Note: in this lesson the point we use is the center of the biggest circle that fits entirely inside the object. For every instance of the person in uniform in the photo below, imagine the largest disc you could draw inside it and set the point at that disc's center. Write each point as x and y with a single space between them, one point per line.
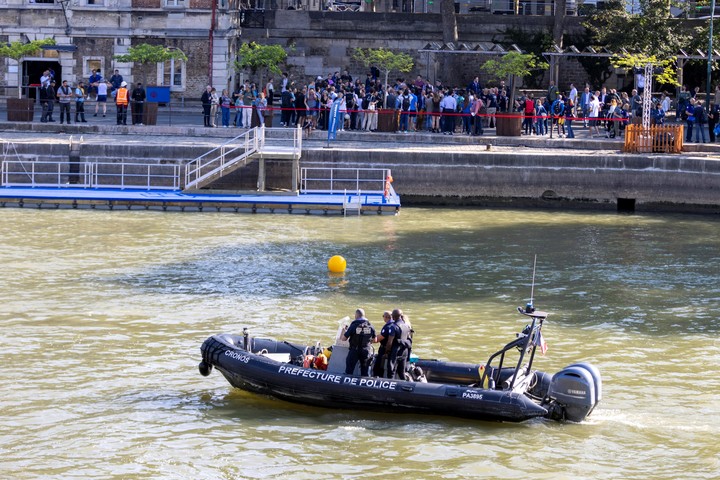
138 102
400 348
361 335
386 338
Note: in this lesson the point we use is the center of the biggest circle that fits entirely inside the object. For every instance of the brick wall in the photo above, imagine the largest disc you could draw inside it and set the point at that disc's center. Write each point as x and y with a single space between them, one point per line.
146 3
207 4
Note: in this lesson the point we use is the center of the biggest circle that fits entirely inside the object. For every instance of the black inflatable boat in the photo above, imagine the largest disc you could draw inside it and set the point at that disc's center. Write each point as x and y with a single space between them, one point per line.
503 389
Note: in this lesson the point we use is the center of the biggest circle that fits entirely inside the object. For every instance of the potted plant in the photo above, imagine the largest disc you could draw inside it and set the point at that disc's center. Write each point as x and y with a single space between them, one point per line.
146 55
265 59
512 64
21 109
386 61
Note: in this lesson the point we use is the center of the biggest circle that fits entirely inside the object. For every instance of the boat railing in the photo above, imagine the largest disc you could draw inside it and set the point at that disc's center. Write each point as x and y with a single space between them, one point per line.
64 174
524 340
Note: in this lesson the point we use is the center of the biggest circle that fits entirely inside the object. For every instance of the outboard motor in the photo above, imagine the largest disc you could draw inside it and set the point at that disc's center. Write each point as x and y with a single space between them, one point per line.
575 391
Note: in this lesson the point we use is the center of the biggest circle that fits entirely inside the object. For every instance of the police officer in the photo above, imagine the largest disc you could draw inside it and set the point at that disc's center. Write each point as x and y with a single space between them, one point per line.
361 335
401 346
386 337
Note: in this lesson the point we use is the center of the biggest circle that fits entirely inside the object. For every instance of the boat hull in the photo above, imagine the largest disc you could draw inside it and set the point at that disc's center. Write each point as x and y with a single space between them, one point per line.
258 373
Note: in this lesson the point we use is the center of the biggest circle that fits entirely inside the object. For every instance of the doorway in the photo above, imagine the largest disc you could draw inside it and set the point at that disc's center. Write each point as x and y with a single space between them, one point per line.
33 70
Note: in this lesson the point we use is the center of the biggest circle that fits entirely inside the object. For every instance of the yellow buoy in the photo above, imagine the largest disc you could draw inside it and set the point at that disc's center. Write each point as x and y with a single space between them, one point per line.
337 264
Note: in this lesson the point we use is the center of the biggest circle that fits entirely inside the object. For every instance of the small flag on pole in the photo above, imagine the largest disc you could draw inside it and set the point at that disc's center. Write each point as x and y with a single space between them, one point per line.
541 343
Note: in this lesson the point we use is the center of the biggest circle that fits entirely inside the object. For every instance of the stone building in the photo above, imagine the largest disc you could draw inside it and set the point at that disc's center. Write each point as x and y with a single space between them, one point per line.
89 33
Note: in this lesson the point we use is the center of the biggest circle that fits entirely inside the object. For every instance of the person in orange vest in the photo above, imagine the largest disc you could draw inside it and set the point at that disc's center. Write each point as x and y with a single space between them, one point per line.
121 101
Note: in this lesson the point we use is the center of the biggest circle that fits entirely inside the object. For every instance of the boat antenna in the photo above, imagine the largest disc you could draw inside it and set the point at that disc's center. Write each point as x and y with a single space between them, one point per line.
530 306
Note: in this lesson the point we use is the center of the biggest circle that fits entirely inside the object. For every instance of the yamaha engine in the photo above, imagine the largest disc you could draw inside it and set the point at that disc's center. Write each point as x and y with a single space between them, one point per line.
574 392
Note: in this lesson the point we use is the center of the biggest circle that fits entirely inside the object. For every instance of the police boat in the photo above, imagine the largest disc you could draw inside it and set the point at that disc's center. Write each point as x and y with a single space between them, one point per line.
502 389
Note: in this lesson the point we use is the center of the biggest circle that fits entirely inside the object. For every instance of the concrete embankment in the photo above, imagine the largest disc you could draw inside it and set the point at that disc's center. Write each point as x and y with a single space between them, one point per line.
437 170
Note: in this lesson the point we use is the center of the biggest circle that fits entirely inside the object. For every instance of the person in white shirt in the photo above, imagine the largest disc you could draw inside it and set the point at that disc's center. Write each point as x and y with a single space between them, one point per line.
270 92
102 89
573 95
594 114
45 78
666 103
640 82
447 106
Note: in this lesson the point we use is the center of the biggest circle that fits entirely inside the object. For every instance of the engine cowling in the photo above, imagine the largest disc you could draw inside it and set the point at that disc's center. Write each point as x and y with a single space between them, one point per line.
575 391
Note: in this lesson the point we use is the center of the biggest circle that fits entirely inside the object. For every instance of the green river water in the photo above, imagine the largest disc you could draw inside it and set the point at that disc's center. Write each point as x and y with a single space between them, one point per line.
103 314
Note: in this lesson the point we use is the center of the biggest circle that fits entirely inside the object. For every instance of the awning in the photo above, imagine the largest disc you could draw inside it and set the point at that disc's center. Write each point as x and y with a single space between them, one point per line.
60 48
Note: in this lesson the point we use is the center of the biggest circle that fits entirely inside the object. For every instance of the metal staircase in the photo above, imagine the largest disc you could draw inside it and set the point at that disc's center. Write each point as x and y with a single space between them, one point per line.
255 143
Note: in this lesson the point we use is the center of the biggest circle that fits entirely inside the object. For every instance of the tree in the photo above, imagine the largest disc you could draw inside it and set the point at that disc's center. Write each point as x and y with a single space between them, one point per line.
652 32
385 60
17 50
146 54
449 21
262 58
665 71
531 42
559 22
512 64
559 28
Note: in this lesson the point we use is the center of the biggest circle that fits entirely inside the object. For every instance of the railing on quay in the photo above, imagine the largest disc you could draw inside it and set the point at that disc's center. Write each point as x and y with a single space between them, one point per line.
61 174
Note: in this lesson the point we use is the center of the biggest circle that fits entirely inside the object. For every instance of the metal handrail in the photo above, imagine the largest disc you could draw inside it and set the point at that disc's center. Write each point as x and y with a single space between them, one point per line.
197 169
57 174
166 175
226 155
341 184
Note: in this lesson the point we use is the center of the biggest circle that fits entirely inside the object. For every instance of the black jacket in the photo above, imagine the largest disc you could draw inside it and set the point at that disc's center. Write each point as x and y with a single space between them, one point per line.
138 94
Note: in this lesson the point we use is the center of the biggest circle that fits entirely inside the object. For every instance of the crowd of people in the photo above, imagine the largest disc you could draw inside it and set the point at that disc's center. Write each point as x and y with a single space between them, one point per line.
98 89
395 339
402 106
419 105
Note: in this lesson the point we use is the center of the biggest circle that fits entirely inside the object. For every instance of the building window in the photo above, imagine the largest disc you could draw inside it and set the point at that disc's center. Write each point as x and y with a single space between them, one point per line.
96 3
174 3
172 74
91 64
41 1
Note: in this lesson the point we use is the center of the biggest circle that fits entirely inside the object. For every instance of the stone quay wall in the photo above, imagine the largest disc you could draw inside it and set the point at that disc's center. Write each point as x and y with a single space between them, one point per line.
554 179
460 171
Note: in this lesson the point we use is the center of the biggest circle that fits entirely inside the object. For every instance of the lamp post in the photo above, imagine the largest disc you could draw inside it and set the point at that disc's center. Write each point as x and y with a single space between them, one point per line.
710 56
